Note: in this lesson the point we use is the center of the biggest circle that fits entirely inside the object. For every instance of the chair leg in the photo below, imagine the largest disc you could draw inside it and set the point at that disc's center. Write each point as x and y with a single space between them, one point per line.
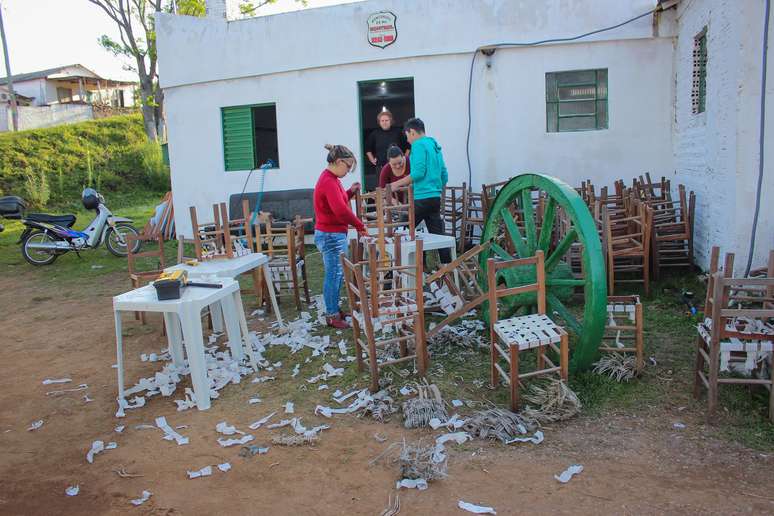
564 363
714 372
256 274
306 284
514 352
541 360
374 366
698 367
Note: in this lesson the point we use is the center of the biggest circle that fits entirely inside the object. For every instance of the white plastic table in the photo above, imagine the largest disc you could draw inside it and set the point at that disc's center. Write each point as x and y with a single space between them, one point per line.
185 314
430 241
232 268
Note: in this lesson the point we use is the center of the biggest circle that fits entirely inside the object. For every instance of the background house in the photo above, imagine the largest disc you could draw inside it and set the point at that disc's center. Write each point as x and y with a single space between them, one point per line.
63 95
279 87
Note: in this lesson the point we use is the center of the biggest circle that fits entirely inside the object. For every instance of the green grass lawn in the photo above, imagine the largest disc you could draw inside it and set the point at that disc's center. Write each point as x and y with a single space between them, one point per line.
661 390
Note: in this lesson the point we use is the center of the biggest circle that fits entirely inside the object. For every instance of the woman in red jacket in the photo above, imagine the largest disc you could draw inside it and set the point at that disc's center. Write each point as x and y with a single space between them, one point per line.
333 216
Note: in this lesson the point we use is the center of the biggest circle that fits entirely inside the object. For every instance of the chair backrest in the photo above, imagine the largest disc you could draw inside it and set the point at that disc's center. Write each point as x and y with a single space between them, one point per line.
490 191
495 292
272 238
158 253
238 234
355 283
209 238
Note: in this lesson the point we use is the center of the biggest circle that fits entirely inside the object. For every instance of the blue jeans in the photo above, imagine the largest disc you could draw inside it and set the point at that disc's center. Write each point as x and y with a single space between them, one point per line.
331 247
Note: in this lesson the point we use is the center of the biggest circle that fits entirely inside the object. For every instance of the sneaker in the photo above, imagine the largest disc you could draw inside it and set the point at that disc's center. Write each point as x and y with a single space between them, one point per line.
337 322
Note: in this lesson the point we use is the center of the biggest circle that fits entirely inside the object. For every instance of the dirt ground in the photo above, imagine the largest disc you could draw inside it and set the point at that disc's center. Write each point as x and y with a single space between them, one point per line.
634 464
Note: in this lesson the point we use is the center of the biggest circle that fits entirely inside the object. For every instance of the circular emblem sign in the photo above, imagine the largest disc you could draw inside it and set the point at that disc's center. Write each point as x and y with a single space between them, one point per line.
382 29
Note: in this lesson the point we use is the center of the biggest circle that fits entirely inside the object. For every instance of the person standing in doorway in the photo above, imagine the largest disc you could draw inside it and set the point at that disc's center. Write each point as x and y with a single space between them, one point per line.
397 167
333 217
429 176
381 139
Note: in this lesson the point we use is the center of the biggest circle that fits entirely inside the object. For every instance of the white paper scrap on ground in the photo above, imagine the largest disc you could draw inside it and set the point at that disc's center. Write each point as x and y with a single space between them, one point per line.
296 370
232 442
226 429
35 425
568 473
260 422
537 438
457 437
419 483
406 390
206 471
143 498
111 446
253 401
81 387
49 381
343 347
475 509
73 490
224 467
169 434
455 404
261 379
96 447
119 429
322 387
86 399
289 407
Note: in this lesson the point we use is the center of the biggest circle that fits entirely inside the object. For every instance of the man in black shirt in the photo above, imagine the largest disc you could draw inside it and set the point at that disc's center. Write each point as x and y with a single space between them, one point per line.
377 144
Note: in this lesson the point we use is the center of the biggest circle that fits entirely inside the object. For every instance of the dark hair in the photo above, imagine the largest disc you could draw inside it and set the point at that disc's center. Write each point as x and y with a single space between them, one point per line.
394 152
415 124
337 152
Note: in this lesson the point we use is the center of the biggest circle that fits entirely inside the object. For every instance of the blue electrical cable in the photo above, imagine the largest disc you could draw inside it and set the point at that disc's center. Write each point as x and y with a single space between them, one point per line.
532 44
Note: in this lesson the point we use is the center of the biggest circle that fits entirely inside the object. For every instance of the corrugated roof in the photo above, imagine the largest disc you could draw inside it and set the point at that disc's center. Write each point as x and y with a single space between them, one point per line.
42 74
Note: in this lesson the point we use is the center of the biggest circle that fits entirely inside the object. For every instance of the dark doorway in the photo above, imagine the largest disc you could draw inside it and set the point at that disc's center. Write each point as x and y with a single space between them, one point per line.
395 95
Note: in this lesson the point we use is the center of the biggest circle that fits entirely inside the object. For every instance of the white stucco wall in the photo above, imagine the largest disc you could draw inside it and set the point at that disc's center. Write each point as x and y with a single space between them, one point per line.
716 152
319 104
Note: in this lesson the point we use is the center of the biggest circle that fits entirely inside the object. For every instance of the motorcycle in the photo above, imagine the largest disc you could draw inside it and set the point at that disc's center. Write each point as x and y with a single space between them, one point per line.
46 237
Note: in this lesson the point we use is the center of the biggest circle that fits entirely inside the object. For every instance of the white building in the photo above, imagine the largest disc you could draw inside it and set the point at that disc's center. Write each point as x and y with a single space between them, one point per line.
313 77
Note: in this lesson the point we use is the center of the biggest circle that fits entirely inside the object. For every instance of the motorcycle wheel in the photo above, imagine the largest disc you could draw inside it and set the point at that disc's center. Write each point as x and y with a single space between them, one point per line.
115 239
38 256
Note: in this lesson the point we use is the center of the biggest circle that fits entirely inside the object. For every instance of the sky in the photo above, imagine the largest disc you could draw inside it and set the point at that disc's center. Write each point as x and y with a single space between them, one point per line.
49 33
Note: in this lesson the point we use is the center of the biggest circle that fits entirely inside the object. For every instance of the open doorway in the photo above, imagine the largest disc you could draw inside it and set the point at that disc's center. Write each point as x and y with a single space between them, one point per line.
394 95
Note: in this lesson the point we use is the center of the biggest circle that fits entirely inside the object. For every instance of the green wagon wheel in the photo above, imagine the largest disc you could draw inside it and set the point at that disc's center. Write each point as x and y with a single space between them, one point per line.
536 211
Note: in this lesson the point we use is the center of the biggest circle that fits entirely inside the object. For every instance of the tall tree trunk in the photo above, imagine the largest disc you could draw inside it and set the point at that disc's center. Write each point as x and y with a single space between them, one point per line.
161 128
148 108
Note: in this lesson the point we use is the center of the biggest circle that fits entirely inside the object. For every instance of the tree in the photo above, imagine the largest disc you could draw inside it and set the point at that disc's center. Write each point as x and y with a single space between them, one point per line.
137 41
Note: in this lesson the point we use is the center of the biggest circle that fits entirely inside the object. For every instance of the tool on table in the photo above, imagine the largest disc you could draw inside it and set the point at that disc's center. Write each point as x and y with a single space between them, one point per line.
169 284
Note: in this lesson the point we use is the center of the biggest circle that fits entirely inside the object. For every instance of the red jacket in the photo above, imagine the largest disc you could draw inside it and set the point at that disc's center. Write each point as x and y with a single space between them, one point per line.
331 205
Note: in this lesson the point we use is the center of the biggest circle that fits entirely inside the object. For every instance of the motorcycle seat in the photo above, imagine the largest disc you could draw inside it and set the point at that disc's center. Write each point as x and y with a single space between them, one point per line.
60 220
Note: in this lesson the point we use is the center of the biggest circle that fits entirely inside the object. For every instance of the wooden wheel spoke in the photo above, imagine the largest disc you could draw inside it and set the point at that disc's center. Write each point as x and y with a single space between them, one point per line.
558 307
513 231
529 221
549 214
562 282
561 249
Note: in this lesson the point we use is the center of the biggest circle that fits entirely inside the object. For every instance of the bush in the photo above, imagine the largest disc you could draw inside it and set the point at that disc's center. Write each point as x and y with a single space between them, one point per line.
36 185
110 153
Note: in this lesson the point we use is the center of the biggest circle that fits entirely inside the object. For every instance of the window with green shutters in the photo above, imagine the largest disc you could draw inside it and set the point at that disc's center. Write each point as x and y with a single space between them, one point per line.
576 100
249 136
699 90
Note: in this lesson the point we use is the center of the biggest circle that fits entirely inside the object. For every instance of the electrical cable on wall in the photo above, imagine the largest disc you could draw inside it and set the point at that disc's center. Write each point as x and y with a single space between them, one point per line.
531 44
761 135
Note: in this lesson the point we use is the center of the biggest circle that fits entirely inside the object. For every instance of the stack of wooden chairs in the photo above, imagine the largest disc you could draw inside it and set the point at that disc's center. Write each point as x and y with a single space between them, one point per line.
452 209
736 338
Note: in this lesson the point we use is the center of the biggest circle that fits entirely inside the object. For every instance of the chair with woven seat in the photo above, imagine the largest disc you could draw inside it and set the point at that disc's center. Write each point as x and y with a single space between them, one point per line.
283 242
452 203
626 243
473 218
736 335
523 333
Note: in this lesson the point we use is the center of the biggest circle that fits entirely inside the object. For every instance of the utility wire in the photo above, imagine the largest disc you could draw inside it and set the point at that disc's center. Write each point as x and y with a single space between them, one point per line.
532 44
761 135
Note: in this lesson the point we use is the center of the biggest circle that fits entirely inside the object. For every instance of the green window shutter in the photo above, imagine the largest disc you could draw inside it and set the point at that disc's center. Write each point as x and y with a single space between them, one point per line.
238 139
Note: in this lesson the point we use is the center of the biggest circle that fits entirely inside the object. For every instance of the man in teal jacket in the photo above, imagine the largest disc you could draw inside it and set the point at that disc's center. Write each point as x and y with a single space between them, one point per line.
429 176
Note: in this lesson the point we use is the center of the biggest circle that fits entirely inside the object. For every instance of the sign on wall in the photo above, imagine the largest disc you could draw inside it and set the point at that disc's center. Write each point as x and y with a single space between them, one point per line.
382 29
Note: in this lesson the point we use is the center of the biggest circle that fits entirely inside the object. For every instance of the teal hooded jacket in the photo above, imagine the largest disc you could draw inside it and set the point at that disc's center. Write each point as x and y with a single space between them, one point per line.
428 171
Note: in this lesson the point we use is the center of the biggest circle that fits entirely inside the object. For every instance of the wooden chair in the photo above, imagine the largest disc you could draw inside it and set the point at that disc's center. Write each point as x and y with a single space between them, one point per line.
453 201
383 314
489 192
284 244
523 333
137 262
237 232
672 239
209 238
627 247
738 339
455 301
473 218
625 324
165 223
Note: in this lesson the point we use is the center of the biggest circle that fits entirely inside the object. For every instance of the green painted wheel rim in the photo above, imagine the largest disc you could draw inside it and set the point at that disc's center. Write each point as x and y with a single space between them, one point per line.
559 280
